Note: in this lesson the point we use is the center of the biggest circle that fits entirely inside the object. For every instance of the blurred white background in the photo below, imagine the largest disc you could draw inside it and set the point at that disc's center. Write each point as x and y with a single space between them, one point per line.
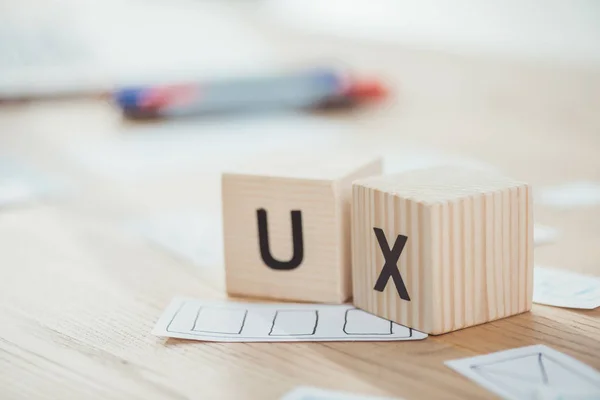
88 45
555 30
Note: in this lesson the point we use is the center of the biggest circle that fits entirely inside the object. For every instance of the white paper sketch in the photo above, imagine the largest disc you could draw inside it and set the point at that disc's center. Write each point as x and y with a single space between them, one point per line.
222 321
547 393
543 234
570 195
313 393
518 374
192 235
209 145
560 288
20 183
417 157
70 51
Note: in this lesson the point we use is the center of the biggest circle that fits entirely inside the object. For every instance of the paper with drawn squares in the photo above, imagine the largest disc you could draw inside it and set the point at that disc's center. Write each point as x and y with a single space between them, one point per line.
221 321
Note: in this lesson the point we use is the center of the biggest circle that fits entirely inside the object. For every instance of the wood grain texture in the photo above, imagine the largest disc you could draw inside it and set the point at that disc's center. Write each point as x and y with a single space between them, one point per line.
78 298
469 252
323 199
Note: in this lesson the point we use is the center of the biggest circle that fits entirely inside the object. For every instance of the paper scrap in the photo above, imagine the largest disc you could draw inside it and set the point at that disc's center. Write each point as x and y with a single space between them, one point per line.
413 157
313 393
208 145
191 235
545 393
500 29
571 195
519 374
561 288
70 51
222 321
20 184
543 234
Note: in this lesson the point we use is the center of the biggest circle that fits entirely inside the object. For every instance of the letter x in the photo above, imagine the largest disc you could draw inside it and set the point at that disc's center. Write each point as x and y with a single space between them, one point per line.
390 268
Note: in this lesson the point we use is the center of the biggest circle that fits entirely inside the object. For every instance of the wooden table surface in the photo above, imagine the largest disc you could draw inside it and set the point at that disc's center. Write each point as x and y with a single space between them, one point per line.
79 297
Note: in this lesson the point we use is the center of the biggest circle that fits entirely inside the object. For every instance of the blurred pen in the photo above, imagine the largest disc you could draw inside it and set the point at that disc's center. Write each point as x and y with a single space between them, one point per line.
312 89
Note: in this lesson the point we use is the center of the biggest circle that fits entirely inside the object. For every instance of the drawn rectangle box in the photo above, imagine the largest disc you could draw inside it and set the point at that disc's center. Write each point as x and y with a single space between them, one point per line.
359 322
220 320
294 322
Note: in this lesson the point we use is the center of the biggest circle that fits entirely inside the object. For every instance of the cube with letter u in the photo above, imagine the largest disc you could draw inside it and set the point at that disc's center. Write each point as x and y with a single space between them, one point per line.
442 249
287 227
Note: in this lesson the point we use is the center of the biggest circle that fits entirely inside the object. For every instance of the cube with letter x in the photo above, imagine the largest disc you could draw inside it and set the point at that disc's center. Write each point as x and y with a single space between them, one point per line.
442 249
286 222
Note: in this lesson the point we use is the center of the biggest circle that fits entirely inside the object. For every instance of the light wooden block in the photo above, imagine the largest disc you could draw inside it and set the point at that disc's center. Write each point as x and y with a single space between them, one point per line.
314 192
468 256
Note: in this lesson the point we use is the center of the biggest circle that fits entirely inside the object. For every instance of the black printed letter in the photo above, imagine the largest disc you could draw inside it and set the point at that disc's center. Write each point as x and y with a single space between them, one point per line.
390 268
263 241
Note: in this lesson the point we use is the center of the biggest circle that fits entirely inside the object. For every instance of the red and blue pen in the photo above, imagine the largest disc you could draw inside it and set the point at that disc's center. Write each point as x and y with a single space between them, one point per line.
311 89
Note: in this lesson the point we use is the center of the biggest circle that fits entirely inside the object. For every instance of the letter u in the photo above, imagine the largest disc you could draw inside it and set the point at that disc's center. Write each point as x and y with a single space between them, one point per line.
263 241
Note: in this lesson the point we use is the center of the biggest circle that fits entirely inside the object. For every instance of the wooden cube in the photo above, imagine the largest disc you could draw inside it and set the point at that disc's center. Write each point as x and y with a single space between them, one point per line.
442 249
287 227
